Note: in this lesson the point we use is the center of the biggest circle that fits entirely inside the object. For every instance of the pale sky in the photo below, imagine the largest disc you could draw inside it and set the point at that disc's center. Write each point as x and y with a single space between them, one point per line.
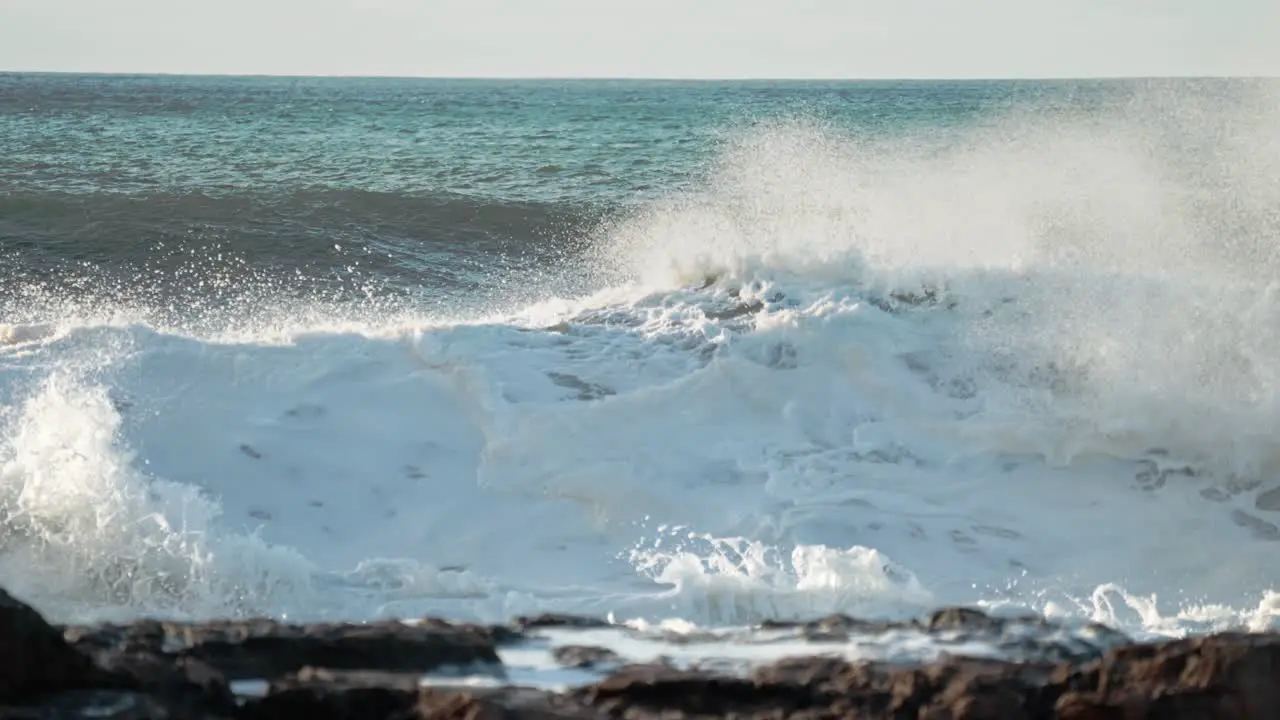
646 38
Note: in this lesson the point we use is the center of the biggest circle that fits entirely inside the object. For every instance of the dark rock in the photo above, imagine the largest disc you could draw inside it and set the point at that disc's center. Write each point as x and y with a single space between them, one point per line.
318 694
254 651
158 671
140 636
585 656
497 634
445 705
555 620
660 690
961 618
34 657
324 695
185 685
835 628
1232 675
1028 638
509 703
830 688
251 649
43 676
101 705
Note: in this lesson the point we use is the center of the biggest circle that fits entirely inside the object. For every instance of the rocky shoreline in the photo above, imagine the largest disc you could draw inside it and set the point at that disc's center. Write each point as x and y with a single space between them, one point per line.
262 669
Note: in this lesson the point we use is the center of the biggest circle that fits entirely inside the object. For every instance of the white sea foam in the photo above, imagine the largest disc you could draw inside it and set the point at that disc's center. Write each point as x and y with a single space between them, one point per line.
1074 414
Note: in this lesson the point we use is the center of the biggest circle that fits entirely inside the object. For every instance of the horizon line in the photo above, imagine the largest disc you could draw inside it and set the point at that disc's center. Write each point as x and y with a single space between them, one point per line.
649 78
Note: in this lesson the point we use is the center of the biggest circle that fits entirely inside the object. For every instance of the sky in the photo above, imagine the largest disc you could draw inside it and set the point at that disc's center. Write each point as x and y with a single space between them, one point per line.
646 38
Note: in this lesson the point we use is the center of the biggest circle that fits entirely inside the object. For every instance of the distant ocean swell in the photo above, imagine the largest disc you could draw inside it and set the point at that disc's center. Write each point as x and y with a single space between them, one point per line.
228 249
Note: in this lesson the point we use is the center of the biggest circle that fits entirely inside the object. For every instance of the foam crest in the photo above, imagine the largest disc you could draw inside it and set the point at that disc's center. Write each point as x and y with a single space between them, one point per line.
1114 606
1109 277
18 334
87 532
736 581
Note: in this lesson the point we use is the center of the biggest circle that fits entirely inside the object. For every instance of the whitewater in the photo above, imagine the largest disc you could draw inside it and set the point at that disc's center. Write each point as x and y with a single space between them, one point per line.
1034 368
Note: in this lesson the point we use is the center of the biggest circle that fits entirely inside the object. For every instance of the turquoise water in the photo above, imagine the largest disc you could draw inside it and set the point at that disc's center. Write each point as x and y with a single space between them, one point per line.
543 141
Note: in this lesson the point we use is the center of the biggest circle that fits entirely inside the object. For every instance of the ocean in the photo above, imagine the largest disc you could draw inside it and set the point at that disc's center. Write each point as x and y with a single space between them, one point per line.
693 353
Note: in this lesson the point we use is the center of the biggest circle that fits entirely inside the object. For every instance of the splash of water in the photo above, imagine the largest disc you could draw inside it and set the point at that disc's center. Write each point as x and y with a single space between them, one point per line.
982 359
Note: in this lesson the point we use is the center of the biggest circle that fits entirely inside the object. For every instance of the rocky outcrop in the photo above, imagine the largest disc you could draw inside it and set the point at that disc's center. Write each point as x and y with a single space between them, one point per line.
181 670
1231 675
34 658
586 656
252 649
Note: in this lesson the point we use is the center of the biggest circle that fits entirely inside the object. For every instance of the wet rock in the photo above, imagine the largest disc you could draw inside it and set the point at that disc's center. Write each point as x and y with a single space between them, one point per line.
327 695
140 636
834 628
512 703
585 656
826 687
156 671
44 676
1233 675
101 705
961 618
497 634
183 685
442 705
1026 638
318 694
661 690
34 657
250 649
556 620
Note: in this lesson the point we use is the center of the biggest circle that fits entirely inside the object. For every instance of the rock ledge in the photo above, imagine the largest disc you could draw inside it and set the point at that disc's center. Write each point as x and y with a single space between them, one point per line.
158 670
